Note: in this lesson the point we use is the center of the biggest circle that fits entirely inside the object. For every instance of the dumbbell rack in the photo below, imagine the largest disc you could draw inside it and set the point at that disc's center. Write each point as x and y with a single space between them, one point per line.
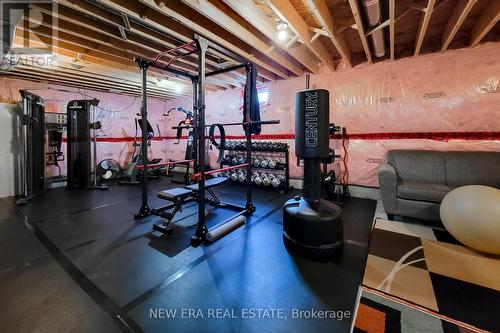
284 187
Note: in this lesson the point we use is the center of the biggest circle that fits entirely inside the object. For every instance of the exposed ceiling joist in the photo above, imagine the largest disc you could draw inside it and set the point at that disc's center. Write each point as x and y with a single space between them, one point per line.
221 18
424 23
392 23
175 9
322 13
98 49
78 52
29 74
287 13
487 21
139 35
166 32
361 29
55 73
137 48
455 22
248 10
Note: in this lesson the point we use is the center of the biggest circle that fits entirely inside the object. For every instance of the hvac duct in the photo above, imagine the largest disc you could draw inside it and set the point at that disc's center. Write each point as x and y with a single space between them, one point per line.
11 16
373 14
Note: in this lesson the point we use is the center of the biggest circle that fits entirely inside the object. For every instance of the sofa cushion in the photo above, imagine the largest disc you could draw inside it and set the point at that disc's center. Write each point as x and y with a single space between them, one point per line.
418 165
472 168
422 191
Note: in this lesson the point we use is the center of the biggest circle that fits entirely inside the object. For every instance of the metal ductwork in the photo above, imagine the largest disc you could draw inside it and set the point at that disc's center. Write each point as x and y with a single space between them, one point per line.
12 14
373 14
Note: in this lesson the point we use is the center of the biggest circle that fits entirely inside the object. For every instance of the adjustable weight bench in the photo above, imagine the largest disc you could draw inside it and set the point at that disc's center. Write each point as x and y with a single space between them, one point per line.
180 196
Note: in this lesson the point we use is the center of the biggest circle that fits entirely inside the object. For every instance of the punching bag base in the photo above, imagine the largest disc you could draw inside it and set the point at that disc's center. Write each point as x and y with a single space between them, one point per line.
313 233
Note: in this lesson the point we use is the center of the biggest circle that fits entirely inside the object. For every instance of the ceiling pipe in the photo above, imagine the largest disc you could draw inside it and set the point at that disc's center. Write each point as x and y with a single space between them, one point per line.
8 22
373 14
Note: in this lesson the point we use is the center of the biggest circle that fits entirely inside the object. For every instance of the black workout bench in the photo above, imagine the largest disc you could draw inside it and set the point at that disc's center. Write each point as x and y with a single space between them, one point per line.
182 195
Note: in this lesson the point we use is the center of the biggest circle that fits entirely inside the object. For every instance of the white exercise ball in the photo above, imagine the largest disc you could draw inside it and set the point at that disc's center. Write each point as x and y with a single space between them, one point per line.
472 215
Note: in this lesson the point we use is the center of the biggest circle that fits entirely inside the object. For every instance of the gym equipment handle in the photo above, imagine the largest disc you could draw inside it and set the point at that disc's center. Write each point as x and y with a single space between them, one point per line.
198 175
261 122
141 166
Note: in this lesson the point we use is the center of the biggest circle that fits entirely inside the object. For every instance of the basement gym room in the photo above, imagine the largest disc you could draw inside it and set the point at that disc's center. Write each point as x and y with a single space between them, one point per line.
250 166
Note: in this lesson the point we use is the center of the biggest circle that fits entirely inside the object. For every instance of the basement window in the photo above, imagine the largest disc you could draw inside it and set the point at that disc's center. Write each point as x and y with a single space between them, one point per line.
263 97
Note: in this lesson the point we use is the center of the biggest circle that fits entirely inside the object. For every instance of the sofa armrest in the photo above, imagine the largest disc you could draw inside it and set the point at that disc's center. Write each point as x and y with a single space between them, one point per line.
388 181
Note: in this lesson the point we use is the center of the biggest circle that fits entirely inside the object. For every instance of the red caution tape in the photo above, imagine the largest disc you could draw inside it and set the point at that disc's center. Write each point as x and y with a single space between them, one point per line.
441 136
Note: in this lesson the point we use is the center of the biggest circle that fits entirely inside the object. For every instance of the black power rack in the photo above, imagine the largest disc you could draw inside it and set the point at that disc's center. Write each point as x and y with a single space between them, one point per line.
270 170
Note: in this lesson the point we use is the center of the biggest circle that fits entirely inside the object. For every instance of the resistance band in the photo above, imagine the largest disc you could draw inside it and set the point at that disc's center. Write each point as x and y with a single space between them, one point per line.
220 146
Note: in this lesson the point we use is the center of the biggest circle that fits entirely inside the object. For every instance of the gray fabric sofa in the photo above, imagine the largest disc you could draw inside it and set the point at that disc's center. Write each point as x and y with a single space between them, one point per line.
414 182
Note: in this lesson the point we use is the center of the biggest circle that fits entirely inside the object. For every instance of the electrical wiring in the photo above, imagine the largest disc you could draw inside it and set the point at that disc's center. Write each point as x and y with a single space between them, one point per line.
85 95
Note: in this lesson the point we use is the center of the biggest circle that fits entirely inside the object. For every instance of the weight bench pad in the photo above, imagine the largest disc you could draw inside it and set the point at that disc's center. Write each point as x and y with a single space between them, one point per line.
174 194
209 183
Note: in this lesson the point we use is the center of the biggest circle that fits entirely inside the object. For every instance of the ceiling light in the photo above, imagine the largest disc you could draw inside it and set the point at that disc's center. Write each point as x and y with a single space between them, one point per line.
282 30
282 35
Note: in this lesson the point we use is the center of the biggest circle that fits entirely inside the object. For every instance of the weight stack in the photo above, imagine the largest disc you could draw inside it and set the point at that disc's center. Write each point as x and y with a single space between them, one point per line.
78 146
312 225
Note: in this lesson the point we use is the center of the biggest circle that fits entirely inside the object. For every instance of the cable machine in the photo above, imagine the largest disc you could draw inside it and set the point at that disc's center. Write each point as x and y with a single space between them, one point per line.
200 46
79 145
33 146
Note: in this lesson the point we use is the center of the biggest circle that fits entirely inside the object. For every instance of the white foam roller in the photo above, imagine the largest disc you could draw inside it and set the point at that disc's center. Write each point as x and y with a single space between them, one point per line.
472 215
226 228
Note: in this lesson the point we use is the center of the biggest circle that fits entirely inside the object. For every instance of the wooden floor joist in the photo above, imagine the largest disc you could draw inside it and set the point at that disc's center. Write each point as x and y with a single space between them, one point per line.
322 13
486 22
287 13
424 23
225 21
177 10
266 25
455 22
361 29
392 19
169 34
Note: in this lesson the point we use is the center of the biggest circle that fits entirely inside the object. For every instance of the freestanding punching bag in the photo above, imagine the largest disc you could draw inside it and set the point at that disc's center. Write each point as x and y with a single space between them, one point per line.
311 224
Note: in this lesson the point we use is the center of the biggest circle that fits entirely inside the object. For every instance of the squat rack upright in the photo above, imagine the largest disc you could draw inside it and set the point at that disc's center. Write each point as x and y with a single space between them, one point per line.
200 46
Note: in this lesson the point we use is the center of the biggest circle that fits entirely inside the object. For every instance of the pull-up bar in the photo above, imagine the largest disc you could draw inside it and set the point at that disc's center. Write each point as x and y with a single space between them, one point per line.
188 47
